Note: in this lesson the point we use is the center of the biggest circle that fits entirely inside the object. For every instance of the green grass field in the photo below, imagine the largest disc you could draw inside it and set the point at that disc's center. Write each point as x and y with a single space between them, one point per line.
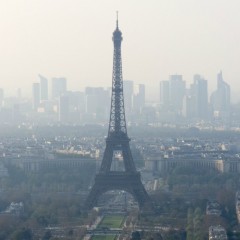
100 237
111 221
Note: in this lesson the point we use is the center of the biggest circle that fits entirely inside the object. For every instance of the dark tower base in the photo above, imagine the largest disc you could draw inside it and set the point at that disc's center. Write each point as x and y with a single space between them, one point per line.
129 182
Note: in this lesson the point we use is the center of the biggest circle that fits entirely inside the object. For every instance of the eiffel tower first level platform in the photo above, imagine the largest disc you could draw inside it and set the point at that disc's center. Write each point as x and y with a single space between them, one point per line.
130 183
117 141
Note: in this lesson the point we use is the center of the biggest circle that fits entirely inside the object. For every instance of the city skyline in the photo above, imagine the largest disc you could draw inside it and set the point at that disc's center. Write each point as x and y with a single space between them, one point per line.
162 38
48 87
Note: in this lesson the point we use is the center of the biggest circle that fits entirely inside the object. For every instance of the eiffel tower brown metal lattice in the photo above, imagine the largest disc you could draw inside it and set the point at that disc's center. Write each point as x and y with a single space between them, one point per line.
117 140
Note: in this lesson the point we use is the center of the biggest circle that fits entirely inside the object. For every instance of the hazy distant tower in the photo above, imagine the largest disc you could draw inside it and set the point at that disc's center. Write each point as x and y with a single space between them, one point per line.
199 91
177 91
223 90
43 88
220 99
97 99
59 87
139 98
164 94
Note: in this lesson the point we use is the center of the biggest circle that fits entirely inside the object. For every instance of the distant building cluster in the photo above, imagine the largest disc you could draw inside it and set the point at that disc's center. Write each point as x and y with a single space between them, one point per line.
192 103
52 102
161 157
92 105
37 155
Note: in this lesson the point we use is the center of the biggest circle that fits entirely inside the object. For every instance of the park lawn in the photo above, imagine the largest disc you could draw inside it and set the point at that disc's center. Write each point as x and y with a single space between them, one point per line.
101 237
111 221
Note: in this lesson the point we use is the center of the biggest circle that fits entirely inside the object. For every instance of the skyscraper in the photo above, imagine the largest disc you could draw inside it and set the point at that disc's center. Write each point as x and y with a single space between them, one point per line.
189 107
97 99
177 91
43 88
77 106
164 94
59 87
220 99
224 93
139 98
199 91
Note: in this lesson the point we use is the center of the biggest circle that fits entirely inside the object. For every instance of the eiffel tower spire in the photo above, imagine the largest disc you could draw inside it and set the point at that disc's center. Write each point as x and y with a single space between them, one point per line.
117 123
117 20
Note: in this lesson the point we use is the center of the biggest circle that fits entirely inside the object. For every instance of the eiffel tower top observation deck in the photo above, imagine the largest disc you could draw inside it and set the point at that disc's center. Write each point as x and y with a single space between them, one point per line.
117 123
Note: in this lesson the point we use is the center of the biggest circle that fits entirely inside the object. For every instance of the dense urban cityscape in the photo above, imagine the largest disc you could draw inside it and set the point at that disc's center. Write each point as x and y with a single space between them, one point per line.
107 164
186 148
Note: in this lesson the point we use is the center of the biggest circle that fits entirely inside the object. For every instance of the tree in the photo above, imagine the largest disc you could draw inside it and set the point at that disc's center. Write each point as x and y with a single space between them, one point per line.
190 227
136 236
174 235
197 223
47 235
155 236
22 234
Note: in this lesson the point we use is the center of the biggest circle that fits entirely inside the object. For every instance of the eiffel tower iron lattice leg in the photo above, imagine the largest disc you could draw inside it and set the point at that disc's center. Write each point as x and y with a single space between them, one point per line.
130 183
117 140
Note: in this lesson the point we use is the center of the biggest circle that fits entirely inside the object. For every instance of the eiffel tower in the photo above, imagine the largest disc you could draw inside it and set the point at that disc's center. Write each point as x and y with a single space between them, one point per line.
128 180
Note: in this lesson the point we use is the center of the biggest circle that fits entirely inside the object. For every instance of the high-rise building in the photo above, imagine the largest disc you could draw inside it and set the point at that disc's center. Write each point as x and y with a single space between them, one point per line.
77 101
59 87
177 89
91 103
189 107
199 92
139 98
220 99
97 102
164 94
77 106
43 88
36 95
224 93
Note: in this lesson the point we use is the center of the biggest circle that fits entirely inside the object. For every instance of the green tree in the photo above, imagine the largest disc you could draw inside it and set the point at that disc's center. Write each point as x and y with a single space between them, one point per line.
22 234
47 235
190 227
197 223
136 236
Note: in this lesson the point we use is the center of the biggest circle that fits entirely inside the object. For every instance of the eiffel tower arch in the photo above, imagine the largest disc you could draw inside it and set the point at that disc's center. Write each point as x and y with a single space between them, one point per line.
117 140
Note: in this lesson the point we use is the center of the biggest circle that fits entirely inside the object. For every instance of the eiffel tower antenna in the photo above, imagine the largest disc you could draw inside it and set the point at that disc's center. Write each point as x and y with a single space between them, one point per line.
117 19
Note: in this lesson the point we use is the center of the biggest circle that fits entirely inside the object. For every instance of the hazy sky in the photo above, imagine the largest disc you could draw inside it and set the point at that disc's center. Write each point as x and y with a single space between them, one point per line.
72 38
